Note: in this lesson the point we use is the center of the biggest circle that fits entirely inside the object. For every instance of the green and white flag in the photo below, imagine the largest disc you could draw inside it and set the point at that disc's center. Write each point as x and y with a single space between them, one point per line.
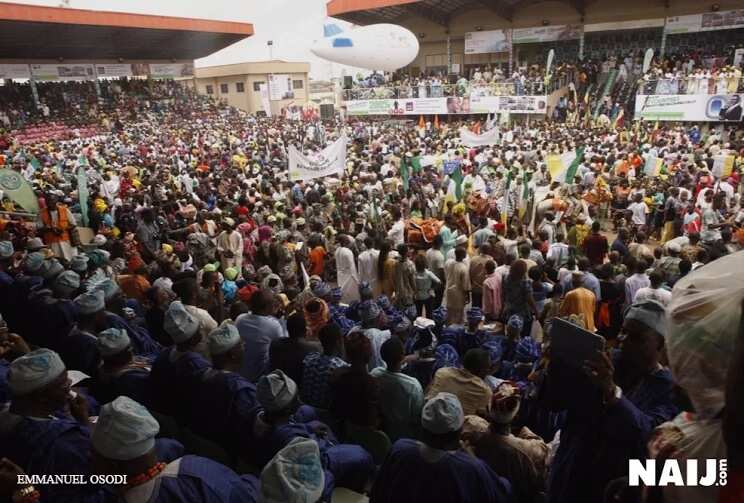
17 189
562 168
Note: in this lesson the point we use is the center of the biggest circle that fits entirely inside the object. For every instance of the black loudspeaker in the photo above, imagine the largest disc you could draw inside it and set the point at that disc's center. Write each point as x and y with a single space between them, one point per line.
327 112
348 81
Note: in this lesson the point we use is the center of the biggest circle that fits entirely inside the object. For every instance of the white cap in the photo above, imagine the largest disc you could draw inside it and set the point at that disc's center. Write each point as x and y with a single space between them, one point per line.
108 287
674 247
179 323
294 475
164 282
112 341
125 430
68 279
34 370
275 391
223 338
6 249
442 414
51 268
99 240
90 302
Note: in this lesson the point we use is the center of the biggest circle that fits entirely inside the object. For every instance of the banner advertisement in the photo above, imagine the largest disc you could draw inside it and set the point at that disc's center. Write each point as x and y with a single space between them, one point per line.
624 25
723 165
280 87
470 139
690 107
114 70
329 161
452 105
483 42
14 71
169 70
62 72
709 21
265 102
546 34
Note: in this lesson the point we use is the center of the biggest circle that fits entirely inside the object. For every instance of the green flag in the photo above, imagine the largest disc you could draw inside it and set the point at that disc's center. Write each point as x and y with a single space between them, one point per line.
82 183
35 163
456 176
416 164
18 190
405 173
571 171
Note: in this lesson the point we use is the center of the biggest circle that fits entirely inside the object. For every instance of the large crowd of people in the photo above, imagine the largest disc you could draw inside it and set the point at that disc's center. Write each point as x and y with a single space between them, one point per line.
182 313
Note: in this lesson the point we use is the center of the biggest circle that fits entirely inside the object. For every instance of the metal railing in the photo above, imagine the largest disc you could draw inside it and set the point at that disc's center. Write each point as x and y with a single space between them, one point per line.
691 85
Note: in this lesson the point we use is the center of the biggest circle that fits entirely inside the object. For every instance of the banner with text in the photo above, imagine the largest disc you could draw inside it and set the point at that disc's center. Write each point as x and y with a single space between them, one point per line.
452 105
62 72
280 87
14 71
483 42
709 21
329 161
546 34
114 70
470 139
689 107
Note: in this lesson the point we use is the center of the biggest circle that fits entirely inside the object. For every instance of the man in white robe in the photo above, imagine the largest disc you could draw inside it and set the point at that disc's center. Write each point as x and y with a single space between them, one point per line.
347 277
230 246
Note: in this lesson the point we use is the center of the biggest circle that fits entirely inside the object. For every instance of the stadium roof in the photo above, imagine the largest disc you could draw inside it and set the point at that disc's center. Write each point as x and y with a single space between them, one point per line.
365 12
30 32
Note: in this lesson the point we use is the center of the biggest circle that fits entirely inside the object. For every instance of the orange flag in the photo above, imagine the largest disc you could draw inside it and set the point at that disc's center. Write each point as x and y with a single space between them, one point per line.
421 124
436 122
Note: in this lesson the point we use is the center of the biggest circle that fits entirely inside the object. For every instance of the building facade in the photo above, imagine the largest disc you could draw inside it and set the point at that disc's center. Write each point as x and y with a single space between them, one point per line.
240 84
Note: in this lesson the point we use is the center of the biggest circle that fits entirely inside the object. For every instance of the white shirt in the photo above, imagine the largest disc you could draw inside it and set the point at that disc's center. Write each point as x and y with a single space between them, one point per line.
397 233
639 213
660 295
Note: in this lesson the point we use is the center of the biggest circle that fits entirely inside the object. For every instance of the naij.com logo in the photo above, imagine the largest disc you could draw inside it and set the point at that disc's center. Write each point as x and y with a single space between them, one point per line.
677 472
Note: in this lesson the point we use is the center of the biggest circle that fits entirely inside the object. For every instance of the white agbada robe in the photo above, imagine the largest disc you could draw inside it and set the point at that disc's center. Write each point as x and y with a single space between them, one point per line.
368 268
348 279
232 242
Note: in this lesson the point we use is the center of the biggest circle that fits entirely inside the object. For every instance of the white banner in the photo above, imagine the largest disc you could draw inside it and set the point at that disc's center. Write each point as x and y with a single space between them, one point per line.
62 72
546 34
14 71
522 104
114 70
453 105
709 21
280 87
170 70
329 161
265 102
470 139
624 25
483 42
689 107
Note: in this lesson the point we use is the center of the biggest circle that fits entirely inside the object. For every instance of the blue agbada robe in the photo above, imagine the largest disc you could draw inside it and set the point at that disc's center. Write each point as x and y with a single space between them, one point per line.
142 343
16 312
46 446
52 320
193 479
4 390
133 383
80 352
597 440
414 472
173 379
350 465
223 408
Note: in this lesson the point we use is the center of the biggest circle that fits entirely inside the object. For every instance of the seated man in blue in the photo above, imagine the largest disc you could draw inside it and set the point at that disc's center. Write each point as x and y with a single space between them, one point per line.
612 406
296 474
473 336
54 312
32 432
142 343
282 419
437 469
15 307
224 404
78 349
121 373
178 370
124 442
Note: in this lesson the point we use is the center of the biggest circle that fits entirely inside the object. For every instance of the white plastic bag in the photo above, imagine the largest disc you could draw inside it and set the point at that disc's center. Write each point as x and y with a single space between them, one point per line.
704 318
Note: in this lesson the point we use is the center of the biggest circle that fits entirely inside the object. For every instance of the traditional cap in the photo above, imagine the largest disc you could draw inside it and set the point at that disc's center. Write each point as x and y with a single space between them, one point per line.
99 240
6 249
125 430
275 391
528 350
33 262
505 403
404 325
442 414
651 313
34 244
90 302
33 371
50 268
674 247
69 280
229 221
109 288
322 290
231 273
223 338
179 323
112 341
163 282
516 322
300 222
294 475
79 263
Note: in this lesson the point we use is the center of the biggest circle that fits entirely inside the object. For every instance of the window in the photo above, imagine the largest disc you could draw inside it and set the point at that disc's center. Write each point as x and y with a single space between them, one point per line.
223 89
297 84
257 86
210 89
239 87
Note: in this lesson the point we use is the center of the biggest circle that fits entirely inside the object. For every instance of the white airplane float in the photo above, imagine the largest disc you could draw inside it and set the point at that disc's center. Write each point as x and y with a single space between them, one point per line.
383 46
